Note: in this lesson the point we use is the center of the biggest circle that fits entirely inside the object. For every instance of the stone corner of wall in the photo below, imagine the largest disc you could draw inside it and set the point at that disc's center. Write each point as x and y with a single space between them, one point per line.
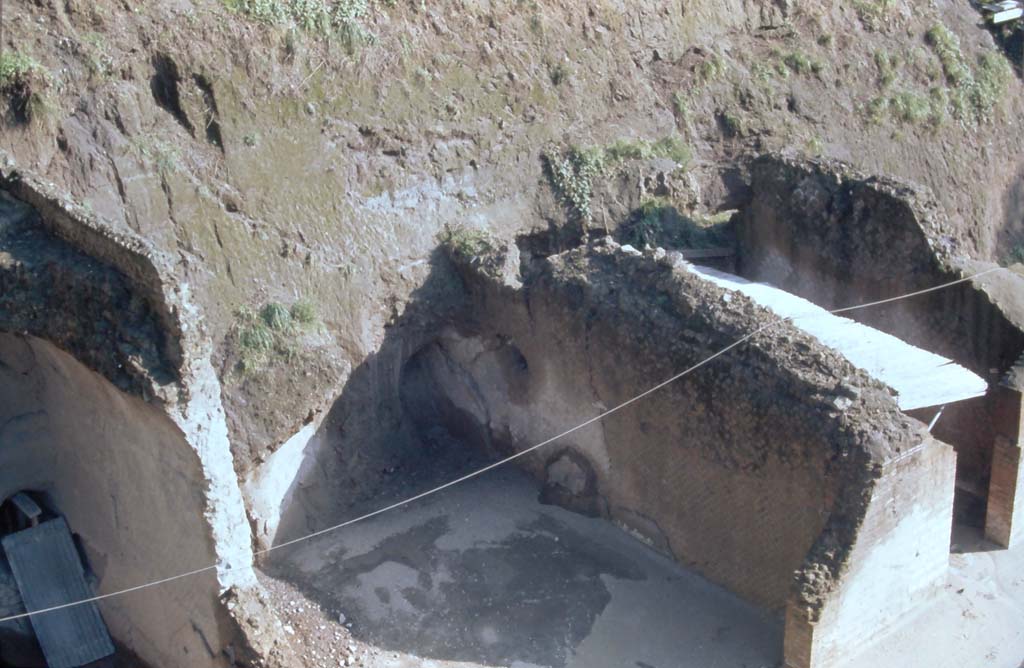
883 555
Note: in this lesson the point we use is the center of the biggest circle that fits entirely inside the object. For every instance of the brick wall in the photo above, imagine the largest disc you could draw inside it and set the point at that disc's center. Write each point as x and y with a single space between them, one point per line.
1004 519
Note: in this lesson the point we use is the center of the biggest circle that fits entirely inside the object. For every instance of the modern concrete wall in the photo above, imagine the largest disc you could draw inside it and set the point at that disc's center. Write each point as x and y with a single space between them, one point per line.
269 489
131 488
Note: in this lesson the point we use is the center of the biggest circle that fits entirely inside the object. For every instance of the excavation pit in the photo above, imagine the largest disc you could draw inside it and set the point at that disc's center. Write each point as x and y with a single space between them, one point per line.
774 505
778 457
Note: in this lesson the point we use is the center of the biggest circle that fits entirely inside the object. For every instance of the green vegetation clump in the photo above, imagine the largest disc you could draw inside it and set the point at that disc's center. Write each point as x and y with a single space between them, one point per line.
681 104
558 74
712 68
276 317
886 65
99 61
257 337
993 76
761 72
969 94
164 156
671 147
15 69
645 227
732 125
910 107
303 312
468 242
947 47
975 92
25 81
877 109
874 14
271 333
572 176
800 63
572 173
815 146
340 18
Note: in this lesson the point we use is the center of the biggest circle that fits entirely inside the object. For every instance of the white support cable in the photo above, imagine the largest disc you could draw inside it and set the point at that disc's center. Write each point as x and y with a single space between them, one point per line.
917 293
480 471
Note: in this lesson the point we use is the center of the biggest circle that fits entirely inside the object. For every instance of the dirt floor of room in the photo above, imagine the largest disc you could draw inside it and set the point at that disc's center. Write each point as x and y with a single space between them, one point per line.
484 575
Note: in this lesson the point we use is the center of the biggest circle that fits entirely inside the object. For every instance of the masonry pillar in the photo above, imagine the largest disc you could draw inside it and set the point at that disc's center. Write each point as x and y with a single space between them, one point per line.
1004 519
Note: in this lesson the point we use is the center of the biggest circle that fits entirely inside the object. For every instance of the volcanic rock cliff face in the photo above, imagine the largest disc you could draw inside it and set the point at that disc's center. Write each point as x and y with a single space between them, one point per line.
273 163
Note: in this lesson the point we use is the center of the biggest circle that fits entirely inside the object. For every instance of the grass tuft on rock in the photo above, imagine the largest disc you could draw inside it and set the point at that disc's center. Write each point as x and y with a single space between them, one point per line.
271 334
800 63
276 317
25 82
341 19
303 312
468 242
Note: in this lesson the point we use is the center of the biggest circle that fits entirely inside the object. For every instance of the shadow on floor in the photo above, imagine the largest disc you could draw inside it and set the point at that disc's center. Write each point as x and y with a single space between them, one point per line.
969 524
970 539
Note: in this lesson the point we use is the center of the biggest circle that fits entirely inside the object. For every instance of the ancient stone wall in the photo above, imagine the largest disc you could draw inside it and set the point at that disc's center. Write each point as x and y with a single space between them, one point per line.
841 238
898 562
49 288
129 258
736 470
103 306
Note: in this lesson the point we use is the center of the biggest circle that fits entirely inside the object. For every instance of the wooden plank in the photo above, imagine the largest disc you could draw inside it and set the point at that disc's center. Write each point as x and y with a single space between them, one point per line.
48 571
920 378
